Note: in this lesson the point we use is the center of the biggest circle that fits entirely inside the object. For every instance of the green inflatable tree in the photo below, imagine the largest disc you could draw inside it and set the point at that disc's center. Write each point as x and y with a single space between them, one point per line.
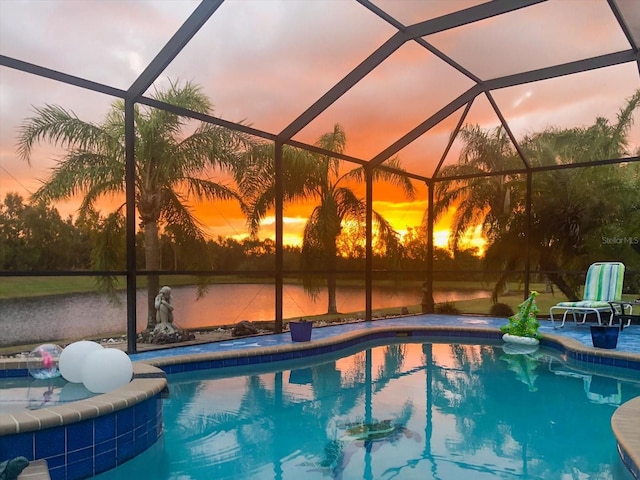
524 323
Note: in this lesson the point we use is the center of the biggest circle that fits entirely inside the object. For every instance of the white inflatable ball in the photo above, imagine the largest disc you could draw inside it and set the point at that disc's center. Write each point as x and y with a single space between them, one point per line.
107 369
73 357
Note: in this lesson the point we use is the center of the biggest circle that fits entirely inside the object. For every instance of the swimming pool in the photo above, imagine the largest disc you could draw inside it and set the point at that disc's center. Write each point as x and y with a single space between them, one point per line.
400 410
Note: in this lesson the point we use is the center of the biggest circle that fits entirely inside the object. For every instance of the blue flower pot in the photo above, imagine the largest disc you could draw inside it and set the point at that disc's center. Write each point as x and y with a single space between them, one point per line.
300 331
604 336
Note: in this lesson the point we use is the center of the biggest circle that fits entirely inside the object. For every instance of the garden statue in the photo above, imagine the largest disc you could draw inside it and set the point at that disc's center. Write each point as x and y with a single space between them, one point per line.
165 329
164 312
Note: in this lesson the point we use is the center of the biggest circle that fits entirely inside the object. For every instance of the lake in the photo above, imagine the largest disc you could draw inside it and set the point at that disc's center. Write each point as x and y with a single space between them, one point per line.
42 319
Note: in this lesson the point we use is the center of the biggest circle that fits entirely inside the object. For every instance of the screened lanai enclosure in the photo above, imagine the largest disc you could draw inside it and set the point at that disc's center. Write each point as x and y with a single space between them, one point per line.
271 160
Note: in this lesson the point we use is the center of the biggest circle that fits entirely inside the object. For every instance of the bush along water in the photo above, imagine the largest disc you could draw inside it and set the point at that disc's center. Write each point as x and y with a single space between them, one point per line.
447 308
501 310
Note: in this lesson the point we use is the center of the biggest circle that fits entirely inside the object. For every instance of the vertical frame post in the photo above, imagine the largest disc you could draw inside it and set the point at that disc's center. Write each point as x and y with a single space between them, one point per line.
279 207
368 315
427 288
130 195
527 245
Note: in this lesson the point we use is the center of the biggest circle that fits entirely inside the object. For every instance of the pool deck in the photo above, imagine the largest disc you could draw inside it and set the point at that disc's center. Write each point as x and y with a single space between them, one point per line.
628 342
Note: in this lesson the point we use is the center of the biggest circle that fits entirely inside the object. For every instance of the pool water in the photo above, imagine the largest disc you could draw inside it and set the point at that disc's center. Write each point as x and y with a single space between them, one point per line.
399 411
27 393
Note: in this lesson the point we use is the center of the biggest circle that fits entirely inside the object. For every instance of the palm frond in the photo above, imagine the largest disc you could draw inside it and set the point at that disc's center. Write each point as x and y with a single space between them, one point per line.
59 127
79 172
625 121
395 178
176 214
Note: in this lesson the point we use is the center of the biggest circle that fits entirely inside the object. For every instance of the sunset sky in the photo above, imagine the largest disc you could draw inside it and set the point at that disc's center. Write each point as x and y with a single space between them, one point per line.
265 61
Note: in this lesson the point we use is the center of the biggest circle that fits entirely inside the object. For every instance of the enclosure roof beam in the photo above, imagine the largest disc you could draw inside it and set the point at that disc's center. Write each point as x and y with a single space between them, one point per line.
466 16
445 22
542 168
555 71
340 88
60 77
622 21
593 63
173 47
420 41
426 125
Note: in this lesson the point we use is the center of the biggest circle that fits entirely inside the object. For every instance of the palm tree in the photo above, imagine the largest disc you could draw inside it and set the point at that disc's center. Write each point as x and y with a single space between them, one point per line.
566 212
479 200
171 165
568 205
317 177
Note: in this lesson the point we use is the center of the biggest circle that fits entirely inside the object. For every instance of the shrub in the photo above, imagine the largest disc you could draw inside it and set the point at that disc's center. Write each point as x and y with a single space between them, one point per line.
501 310
447 308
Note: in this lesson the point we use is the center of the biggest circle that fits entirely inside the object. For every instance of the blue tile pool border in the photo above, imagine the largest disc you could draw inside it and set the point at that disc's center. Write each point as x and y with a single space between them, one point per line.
90 447
82 439
572 350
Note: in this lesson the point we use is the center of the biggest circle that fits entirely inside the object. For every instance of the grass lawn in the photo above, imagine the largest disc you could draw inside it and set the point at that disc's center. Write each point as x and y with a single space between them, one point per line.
24 287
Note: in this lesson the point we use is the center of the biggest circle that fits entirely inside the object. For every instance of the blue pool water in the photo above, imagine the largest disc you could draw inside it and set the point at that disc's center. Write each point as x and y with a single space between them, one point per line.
399 411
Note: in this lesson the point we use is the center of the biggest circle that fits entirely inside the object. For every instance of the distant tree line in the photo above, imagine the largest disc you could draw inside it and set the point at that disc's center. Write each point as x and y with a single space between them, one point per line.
34 237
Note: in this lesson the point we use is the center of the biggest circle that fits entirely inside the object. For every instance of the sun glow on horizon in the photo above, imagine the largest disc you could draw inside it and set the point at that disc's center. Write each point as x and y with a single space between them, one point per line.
441 238
474 238
294 227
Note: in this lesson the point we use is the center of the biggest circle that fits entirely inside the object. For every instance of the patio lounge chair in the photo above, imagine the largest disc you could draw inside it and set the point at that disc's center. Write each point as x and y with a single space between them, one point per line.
603 285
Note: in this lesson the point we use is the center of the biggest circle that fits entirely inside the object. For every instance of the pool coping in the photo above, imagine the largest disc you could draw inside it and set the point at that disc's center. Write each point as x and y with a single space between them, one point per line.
36 470
84 438
147 382
572 350
624 422
149 375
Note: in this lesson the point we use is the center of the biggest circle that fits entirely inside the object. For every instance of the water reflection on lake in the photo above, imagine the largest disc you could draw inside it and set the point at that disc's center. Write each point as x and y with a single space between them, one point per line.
91 314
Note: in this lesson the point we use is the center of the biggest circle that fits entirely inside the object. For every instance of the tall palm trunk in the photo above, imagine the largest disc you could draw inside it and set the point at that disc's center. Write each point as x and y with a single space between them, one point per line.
152 262
332 280
557 279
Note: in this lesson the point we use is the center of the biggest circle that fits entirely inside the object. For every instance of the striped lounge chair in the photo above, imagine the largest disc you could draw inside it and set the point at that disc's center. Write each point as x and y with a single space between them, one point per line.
603 285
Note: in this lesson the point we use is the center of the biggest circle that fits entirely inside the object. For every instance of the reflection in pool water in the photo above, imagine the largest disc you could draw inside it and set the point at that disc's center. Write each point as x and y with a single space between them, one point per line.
26 393
402 411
